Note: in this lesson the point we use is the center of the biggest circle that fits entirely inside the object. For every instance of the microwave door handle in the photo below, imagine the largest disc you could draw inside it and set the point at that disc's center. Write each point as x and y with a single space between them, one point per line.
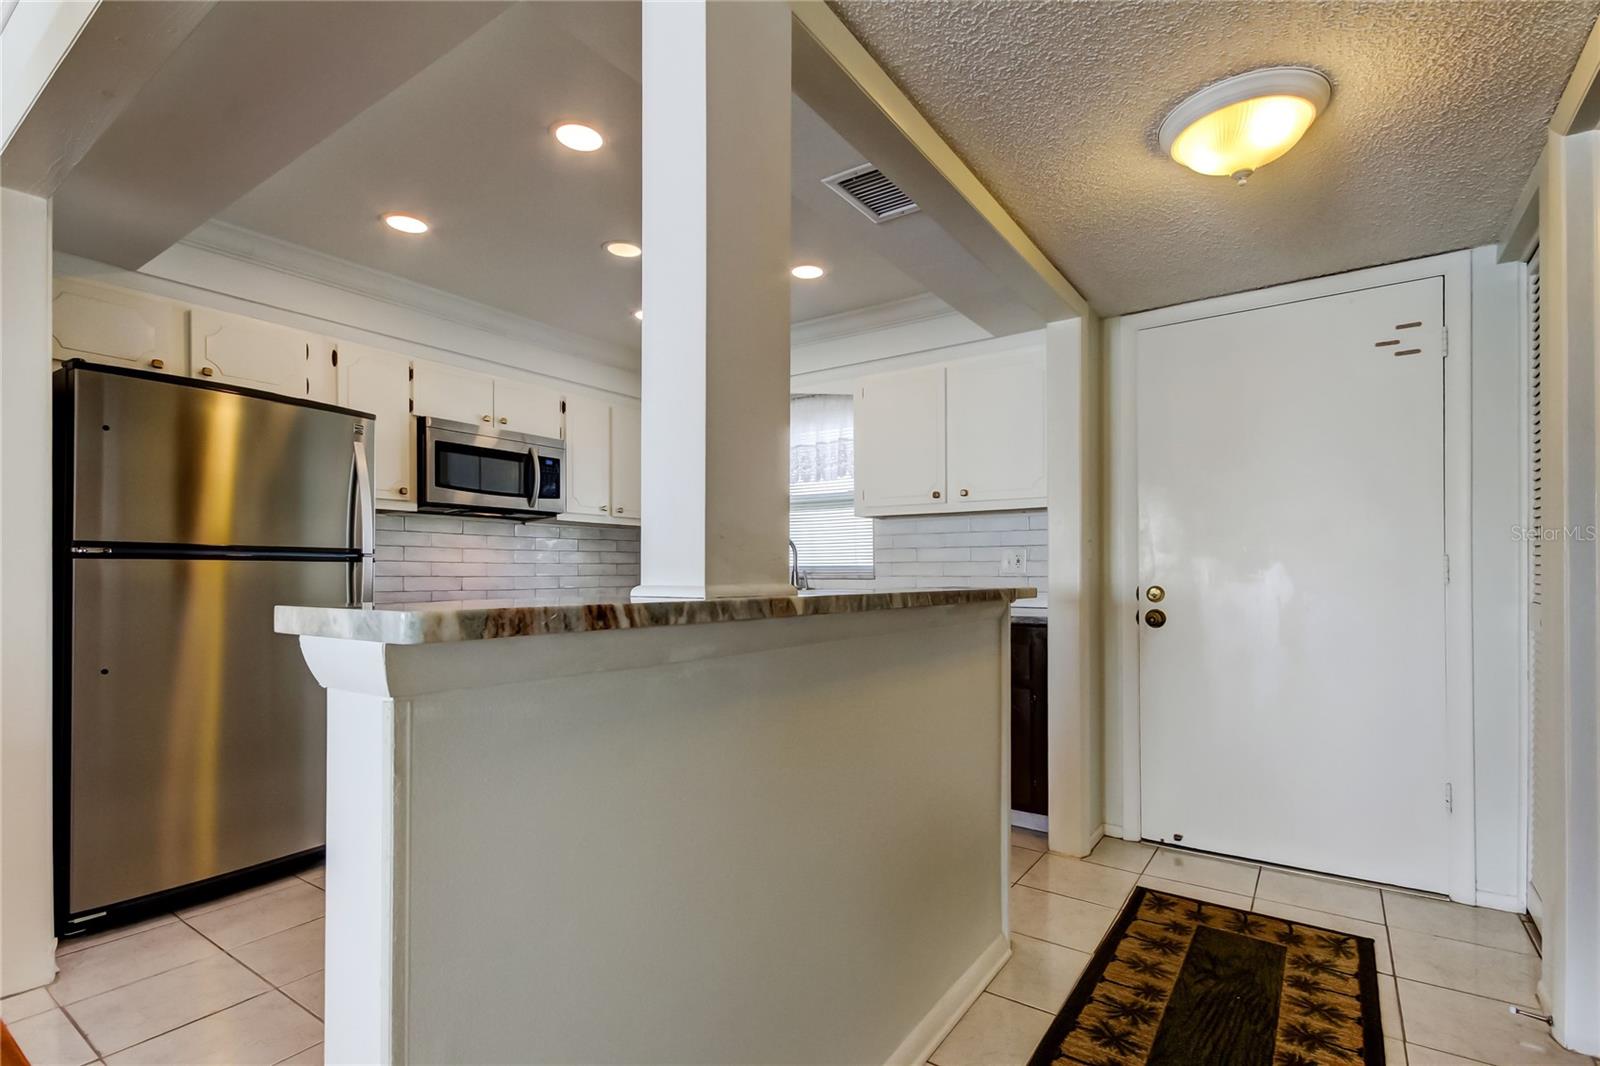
535 479
366 523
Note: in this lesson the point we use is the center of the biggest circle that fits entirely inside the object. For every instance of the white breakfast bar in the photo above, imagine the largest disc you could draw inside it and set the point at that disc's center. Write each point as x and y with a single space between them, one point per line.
714 831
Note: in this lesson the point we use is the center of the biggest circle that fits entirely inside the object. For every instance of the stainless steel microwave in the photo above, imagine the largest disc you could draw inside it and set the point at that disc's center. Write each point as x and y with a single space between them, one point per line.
463 469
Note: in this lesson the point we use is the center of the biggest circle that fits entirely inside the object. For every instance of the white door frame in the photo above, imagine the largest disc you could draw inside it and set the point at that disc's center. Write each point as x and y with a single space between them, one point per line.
1122 673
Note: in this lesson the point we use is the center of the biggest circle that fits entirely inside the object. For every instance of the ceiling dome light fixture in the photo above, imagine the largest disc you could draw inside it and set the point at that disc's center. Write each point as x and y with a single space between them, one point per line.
577 136
808 272
1242 123
405 223
624 249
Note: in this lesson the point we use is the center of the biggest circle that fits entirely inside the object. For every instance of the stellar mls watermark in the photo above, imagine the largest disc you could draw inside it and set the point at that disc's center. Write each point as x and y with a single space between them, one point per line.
1550 534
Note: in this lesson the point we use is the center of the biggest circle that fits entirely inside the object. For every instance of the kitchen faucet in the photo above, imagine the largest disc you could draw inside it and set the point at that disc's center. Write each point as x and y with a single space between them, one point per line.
796 578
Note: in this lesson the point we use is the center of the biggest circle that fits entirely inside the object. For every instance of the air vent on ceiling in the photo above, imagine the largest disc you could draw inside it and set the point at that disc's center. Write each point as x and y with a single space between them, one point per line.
869 190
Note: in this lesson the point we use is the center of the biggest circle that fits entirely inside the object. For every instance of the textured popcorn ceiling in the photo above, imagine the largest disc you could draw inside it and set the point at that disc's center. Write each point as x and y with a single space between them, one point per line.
1437 118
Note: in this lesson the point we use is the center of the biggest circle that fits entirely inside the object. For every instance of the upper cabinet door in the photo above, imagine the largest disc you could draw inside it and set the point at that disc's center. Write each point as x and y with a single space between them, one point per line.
588 455
379 382
527 407
121 328
457 395
996 429
626 497
257 355
899 423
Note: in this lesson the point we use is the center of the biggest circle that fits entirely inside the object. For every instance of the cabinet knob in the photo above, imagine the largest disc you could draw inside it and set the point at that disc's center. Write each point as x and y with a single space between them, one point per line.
157 364
936 494
404 491
619 510
606 509
207 372
964 492
503 421
486 418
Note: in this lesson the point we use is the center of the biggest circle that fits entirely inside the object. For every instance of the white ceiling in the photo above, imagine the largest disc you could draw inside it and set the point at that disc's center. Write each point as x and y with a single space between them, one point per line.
518 221
1437 118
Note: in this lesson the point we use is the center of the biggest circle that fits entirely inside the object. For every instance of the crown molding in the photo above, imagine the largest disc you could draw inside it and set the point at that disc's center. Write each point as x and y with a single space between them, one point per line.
924 307
236 242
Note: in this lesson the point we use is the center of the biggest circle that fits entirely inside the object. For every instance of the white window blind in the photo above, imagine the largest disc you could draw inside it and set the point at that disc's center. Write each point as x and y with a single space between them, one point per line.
822 485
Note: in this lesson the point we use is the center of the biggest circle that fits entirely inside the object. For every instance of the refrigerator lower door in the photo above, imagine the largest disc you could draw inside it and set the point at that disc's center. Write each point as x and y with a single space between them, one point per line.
197 733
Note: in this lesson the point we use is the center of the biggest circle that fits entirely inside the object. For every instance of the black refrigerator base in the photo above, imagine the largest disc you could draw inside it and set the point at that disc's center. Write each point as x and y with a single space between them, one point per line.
72 927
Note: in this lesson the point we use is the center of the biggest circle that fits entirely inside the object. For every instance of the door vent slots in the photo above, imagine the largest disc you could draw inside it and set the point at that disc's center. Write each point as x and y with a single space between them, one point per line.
869 190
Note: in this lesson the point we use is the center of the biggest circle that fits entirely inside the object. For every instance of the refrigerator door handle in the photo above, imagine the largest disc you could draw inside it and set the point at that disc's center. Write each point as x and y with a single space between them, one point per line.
366 524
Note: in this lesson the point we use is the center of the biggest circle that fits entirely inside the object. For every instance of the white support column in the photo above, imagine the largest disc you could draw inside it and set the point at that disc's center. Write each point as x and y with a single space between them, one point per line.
1072 445
716 299
27 936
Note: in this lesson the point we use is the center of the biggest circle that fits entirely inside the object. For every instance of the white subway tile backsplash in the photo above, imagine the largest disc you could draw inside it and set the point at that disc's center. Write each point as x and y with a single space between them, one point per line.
421 558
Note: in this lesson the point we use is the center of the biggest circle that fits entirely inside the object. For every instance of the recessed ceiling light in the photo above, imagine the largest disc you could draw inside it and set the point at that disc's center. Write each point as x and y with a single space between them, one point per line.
405 223
808 272
639 314
624 249
578 137
1243 123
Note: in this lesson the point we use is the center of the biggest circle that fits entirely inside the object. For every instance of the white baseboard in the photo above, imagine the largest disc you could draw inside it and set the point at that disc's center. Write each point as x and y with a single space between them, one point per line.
1501 901
1113 831
921 1042
1025 820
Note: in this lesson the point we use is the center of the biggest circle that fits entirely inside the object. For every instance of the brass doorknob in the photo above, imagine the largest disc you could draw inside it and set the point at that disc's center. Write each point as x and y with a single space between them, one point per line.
1155 593
1155 618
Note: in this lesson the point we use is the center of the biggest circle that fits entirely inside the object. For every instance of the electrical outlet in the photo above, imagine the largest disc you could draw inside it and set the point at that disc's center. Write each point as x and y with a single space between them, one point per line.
1013 560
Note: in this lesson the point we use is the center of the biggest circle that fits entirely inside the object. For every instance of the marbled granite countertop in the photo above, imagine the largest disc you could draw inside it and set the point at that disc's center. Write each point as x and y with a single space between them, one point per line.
442 622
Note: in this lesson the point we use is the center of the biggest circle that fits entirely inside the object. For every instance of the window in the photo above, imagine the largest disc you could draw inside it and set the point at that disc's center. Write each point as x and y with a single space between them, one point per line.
831 540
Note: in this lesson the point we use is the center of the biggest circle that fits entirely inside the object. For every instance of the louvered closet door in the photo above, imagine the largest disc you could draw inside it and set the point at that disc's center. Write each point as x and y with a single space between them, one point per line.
1291 507
1544 725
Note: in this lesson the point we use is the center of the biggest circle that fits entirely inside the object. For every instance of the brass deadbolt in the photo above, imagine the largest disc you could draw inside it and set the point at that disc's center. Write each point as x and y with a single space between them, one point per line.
1155 618
1155 593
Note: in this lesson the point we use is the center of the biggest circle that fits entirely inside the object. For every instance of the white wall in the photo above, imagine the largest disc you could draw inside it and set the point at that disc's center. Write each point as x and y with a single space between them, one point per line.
27 940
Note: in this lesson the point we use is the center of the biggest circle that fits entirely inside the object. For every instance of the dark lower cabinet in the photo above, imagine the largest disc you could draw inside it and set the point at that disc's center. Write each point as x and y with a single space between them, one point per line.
1029 740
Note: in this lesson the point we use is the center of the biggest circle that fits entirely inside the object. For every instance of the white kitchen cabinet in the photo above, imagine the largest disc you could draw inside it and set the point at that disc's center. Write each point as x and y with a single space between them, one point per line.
588 456
900 442
439 391
527 407
994 435
234 350
625 459
379 383
117 327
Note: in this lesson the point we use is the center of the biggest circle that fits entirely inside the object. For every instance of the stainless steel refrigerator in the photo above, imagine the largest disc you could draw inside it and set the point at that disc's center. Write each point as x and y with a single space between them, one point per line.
190 738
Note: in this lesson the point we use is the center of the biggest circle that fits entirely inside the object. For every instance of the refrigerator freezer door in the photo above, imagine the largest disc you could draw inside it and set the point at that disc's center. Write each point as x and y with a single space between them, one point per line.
198 734
163 462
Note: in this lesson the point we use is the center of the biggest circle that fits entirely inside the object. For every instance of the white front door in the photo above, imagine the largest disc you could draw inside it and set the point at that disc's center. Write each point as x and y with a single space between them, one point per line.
1291 510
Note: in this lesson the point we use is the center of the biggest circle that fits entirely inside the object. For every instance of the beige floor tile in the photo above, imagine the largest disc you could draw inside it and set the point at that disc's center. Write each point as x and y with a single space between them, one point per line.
69 945
1022 861
311 1056
259 916
994 1032
239 897
1389 1007
1478 1028
25 1005
1394 1051
257 1032
1332 897
120 962
133 1013
1072 923
1479 925
49 1039
1200 892
1417 1055
1027 838
1039 974
1378 934
1504 975
1089 881
1127 855
286 956
1236 877
308 992
318 876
